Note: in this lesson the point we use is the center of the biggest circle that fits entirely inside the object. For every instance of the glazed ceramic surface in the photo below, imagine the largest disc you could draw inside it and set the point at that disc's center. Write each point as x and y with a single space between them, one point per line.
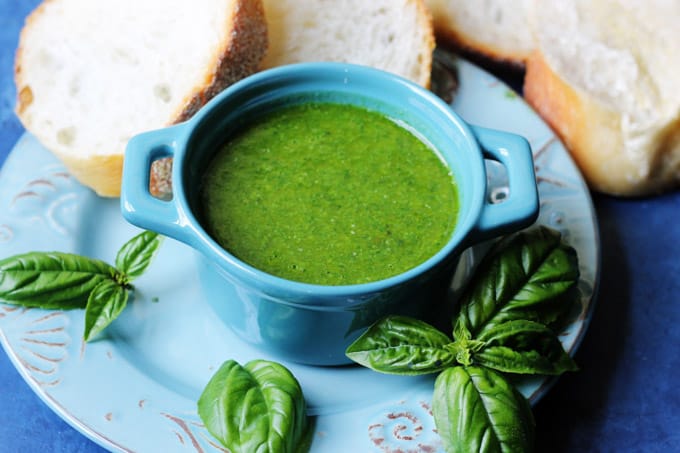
136 389
314 324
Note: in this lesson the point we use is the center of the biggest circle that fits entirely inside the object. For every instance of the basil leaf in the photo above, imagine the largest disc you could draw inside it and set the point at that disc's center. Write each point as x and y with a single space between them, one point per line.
523 347
136 254
285 401
402 345
534 277
478 410
256 408
51 280
106 301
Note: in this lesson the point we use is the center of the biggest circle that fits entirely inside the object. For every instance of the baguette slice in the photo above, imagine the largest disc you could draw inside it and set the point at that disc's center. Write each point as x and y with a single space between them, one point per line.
90 75
393 35
605 77
495 29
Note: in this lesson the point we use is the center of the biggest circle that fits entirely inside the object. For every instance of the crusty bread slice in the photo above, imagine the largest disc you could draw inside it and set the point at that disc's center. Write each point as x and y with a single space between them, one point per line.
496 29
393 35
605 77
90 74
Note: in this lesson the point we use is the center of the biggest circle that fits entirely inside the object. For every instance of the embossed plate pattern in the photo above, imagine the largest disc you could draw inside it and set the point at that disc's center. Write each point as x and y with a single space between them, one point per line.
136 389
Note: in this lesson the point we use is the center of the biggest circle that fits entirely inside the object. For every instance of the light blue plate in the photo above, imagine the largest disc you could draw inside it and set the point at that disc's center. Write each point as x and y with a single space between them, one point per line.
136 389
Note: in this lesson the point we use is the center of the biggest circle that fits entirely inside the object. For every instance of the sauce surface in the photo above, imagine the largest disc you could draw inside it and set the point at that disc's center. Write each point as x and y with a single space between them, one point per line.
329 194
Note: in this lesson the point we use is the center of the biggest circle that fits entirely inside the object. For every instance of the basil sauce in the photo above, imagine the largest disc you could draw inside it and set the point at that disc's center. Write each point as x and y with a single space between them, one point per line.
329 194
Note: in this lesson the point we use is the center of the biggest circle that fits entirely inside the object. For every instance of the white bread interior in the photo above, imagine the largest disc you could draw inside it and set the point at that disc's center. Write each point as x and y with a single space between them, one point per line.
602 74
496 29
393 35
90 75
605 76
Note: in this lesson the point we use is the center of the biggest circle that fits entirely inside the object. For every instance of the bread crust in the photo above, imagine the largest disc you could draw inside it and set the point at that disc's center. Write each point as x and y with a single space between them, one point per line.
495 30
592 134
426 23
24 94
101 172
238 58
449 36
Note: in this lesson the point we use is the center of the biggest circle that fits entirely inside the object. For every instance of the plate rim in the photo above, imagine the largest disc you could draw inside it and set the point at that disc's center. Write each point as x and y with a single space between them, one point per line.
104 441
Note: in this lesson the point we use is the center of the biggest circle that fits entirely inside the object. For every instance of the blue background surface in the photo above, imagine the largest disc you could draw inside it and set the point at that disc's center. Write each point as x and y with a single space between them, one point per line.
624 398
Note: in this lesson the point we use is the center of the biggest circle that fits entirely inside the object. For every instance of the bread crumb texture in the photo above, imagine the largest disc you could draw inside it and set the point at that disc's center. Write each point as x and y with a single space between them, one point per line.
496 29
396 36
605 76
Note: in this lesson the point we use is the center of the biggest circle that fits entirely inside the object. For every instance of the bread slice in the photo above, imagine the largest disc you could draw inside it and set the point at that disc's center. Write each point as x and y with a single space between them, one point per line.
605 77
495 29
393 35
90 75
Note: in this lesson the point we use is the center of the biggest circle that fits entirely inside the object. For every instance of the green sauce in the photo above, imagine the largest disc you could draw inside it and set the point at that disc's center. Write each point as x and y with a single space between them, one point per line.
329 194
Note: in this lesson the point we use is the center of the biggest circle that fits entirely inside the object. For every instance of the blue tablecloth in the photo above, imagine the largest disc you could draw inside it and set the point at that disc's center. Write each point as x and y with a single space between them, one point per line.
624 398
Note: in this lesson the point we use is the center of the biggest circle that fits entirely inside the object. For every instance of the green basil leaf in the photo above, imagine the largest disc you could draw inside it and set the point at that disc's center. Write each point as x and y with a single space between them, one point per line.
523 347
478 410
136 254
402 345
51 280
106 301
256 408
534 277
285 400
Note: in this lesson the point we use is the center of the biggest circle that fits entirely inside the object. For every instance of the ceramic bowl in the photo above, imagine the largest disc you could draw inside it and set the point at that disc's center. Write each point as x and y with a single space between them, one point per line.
311 323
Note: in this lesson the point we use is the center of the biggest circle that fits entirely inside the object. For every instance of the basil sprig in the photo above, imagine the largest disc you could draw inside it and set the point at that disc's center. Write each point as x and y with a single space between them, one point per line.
63 281
533 276
507 322
258 407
